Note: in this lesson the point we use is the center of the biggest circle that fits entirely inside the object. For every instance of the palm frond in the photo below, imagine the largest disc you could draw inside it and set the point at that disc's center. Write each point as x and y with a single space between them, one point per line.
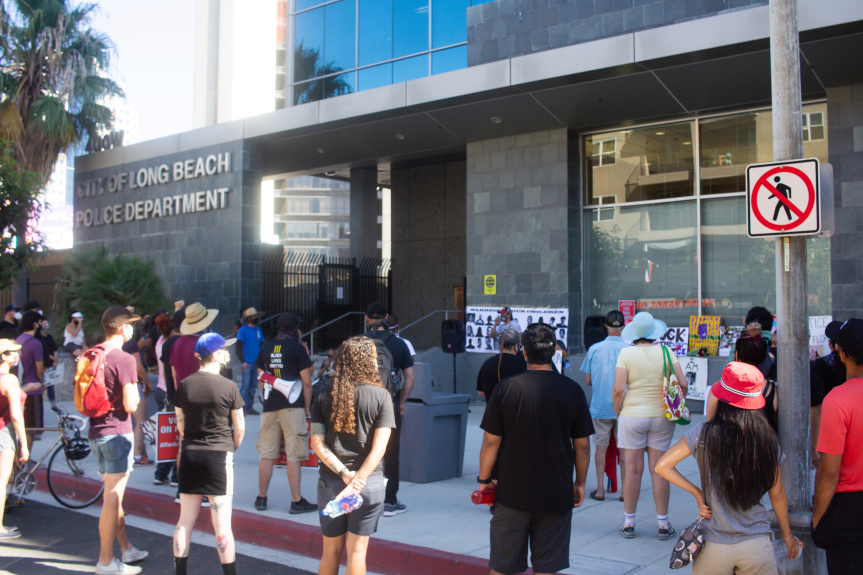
11 126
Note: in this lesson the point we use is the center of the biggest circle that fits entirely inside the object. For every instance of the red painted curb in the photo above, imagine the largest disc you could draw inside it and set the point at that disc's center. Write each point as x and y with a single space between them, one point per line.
385 557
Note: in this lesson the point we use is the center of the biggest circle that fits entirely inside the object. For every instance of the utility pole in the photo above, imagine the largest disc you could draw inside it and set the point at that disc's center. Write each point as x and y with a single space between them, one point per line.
791 290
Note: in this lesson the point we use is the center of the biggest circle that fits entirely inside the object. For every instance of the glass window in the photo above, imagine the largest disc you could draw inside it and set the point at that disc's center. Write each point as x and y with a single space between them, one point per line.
376 32
303 4
309 92
339 37
410 69
645 253
653 163
813 127
308 44
340 85
375 76
449 23
410 28
739 272
449 60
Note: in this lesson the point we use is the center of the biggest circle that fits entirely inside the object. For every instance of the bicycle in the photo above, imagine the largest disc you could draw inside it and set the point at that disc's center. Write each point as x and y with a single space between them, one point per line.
72 472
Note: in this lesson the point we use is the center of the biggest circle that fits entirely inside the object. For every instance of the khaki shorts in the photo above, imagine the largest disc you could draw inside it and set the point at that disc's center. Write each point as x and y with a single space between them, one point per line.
603 429
641 432
289 423
750 557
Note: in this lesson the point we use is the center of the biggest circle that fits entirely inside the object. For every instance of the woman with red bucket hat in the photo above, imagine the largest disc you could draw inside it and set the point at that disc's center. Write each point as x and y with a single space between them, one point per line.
739 464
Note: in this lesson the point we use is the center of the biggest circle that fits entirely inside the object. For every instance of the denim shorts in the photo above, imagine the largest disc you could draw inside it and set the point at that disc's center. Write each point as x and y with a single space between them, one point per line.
114 453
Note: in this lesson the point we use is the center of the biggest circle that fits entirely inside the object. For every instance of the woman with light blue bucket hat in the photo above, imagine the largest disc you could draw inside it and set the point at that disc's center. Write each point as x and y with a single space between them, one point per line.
641 423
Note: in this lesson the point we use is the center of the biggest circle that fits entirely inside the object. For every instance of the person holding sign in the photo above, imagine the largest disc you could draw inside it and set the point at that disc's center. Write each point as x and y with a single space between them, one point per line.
641 422
211 427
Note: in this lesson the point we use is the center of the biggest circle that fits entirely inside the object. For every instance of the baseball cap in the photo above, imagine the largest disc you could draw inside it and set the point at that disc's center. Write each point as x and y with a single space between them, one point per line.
210 343
118 316
504 311
615 318
740 386
289 321
850 338
11 307
9 345
376 310
832 329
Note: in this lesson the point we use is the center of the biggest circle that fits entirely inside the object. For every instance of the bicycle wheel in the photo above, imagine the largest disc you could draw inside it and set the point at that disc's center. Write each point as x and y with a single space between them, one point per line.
74 483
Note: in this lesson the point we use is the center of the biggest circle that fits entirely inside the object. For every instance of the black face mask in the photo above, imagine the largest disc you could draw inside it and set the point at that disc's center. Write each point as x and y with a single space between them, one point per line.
255 321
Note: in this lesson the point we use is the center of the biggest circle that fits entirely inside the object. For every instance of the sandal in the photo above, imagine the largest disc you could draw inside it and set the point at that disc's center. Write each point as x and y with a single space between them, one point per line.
141 462
595 498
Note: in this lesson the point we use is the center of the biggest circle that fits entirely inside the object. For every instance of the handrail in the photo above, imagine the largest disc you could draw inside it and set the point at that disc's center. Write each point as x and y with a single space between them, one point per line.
344 315
446 311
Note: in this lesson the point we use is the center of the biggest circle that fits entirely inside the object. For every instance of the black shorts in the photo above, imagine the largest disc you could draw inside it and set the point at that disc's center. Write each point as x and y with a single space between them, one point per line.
512 530
362 521
204 472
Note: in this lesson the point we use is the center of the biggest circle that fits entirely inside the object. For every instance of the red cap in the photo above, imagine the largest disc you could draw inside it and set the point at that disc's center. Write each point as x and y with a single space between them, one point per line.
740 386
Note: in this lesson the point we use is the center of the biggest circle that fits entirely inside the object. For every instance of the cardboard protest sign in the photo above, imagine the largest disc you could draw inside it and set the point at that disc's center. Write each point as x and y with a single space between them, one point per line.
167 437
676 339
704 334
695 371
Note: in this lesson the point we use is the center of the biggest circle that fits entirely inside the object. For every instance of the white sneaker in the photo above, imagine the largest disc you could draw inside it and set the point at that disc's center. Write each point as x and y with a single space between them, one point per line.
133 555
115 567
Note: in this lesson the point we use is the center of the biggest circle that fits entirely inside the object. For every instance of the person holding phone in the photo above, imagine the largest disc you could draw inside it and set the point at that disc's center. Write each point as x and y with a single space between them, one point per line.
73 335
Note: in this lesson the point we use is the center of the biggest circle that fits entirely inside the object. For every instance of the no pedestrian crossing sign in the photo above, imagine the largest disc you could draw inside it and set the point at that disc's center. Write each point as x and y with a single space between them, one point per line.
783 199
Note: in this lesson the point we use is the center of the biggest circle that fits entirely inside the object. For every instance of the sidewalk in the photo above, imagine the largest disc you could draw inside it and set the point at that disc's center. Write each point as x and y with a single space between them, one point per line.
442 531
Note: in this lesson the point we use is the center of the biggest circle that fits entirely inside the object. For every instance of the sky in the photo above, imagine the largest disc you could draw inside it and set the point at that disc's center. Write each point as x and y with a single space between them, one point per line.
155 41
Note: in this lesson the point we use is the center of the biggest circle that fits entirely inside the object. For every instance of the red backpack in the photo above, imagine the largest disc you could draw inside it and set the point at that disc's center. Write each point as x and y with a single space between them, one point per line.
91 395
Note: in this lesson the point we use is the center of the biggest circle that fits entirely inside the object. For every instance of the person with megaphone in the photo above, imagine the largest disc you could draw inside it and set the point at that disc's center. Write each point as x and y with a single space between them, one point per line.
286 378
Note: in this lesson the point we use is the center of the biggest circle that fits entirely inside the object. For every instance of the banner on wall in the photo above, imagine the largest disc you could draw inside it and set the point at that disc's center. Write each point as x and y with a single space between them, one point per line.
479 321
677 339
704 334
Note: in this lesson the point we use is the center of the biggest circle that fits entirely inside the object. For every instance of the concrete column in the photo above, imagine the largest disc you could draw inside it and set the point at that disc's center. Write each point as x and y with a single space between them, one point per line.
365 230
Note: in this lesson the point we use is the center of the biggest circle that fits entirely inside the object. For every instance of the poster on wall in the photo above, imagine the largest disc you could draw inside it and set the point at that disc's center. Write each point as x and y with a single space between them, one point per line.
704 334
695 372
627 308
479 321
729 338
677 340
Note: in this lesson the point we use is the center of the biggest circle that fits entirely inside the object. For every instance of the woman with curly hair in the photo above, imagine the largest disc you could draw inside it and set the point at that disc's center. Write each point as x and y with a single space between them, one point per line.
351 425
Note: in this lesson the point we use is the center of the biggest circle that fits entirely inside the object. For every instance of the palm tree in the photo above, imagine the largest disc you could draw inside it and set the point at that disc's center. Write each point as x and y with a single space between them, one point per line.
52 77
306 66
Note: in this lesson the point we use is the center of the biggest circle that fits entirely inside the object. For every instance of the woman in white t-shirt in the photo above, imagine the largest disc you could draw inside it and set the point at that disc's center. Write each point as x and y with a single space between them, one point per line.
73 335
641 422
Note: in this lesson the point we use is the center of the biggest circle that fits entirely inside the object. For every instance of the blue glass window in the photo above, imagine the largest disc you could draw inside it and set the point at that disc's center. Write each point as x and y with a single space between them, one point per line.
308 44
303 4
340 85
449 60
376 31
410 27
449 22
309 92
376 76
478 2
410 69
339 37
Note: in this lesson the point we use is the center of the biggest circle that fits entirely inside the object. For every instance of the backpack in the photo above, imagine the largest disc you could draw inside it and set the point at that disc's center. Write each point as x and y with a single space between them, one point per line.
389 376
91 395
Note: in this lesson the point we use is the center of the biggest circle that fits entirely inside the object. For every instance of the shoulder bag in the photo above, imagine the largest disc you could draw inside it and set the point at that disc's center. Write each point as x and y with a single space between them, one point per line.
691 540
675 404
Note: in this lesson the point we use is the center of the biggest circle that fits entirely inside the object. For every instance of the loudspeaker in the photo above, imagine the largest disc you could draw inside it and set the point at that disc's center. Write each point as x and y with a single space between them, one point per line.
452 336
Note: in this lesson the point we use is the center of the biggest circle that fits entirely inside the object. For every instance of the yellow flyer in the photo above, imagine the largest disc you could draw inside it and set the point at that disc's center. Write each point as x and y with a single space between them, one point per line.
704 334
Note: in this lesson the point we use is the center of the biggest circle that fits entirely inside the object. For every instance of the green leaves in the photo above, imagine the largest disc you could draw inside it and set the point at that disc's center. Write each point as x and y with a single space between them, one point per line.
98 280
19 202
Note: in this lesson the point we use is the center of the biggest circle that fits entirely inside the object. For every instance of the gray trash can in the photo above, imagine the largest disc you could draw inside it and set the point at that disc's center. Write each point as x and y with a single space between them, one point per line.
434 429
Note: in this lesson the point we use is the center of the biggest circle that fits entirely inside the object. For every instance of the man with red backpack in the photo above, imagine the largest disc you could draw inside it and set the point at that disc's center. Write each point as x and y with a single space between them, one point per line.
110 435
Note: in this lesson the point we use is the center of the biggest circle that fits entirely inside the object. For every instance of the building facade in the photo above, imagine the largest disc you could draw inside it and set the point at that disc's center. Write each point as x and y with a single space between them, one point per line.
589 151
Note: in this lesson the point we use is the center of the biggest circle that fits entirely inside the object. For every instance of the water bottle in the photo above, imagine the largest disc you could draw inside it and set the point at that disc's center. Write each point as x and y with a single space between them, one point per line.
482 497
346 504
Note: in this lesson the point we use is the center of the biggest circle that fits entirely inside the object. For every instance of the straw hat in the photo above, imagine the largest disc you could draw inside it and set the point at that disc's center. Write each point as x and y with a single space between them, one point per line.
252 312
7 345
198 318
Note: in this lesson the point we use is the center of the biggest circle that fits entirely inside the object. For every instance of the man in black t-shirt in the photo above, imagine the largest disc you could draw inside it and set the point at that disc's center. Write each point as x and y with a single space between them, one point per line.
286 359
403 364
537 426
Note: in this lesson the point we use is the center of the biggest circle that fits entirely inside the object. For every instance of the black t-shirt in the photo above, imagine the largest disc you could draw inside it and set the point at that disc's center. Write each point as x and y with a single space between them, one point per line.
487 378
816 386
284 358
170 386
49 346
207 400
8 330
538 414
831 371
398 349
374 410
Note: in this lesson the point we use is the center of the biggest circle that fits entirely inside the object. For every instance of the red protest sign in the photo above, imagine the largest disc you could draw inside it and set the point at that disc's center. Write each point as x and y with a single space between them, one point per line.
167 437
627 308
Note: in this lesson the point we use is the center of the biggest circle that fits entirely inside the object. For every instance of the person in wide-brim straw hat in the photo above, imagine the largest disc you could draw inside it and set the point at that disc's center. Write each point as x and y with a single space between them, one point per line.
251 312
198 318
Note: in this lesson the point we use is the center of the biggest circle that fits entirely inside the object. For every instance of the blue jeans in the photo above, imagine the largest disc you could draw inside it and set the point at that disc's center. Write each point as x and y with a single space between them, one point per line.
249 386
113 453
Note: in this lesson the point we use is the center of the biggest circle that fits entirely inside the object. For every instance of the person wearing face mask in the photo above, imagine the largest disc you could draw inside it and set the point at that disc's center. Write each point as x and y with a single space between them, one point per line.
11 417
111 441
9 325
249 340
32 371
211 424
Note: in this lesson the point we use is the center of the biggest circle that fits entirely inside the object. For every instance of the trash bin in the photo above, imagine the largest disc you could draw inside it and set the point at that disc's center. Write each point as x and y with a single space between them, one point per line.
434 428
